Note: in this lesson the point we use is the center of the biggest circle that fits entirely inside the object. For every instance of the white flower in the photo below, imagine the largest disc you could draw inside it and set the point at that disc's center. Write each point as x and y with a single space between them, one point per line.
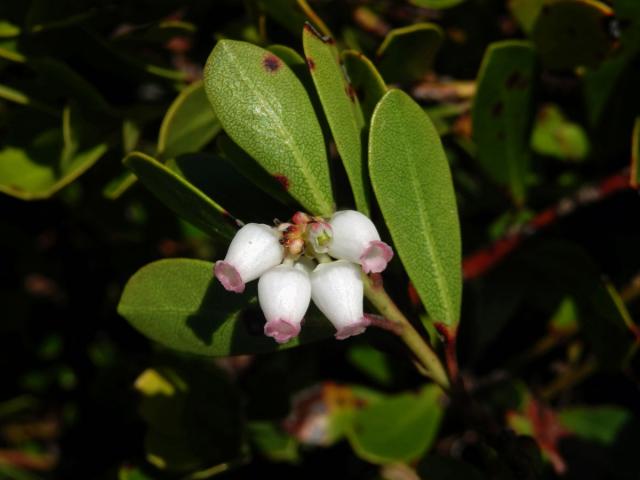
284 293
320 235
254 250
337 290
355 238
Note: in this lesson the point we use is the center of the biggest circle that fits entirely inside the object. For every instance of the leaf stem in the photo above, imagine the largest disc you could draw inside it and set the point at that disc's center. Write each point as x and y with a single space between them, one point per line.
428 359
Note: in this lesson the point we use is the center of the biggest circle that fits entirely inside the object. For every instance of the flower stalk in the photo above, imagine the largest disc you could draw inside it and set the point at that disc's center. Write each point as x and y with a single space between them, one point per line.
428 359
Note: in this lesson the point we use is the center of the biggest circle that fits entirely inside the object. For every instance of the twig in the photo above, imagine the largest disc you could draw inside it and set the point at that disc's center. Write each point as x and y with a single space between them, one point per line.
483 260
569 379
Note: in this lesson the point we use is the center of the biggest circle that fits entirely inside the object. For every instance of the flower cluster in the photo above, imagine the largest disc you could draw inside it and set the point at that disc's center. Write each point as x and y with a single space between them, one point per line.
308 258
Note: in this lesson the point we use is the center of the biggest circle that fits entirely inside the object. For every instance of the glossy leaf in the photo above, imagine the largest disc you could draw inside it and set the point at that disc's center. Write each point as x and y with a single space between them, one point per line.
365 79
635 154
412 182
570 33
398 428
264 108
407 53
342 110
179 304
180 196
189 124
501 114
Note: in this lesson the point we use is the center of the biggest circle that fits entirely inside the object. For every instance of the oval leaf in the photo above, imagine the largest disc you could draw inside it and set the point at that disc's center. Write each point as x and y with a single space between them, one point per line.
189 124
265 110
502 112
180 196
399 428
179 304
412 182
342 109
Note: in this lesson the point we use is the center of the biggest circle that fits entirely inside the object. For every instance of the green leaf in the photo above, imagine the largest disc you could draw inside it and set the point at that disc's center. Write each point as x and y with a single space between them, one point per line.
189 124
179 304
398 428
601 424
366 80
180 196
52 161
8 29
251 170
407 53
65 82
372 363
273 442
558 137
437 4
501 113
264 108
342 110
570 34
412 182
217 179
526 12
635 154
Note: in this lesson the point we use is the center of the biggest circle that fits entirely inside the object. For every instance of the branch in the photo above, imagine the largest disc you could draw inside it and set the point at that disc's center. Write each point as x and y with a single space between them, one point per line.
483 260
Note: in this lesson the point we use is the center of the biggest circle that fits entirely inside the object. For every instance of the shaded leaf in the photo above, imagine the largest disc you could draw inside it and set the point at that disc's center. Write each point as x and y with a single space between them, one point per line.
192 415
366 80
397 428
52 161
251 170
412 182
501 114
179 304
272 442
180 196
572 33
437 4
371 362
217 179
526 12
189 124
635 154
601 424
264 108
407 53
342 110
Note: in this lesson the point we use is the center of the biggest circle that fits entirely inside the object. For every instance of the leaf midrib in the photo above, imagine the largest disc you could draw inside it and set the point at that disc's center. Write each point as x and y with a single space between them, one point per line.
289 140
442 284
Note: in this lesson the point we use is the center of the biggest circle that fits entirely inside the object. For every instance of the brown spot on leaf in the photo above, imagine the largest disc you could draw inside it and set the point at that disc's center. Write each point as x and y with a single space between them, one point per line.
516 81
351 93
497 109
311 64
271 63
282 180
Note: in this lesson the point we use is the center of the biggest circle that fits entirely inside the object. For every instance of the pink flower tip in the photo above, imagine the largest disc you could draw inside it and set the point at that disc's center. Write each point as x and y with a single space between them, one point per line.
354 329
281 330
229 276
376 256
